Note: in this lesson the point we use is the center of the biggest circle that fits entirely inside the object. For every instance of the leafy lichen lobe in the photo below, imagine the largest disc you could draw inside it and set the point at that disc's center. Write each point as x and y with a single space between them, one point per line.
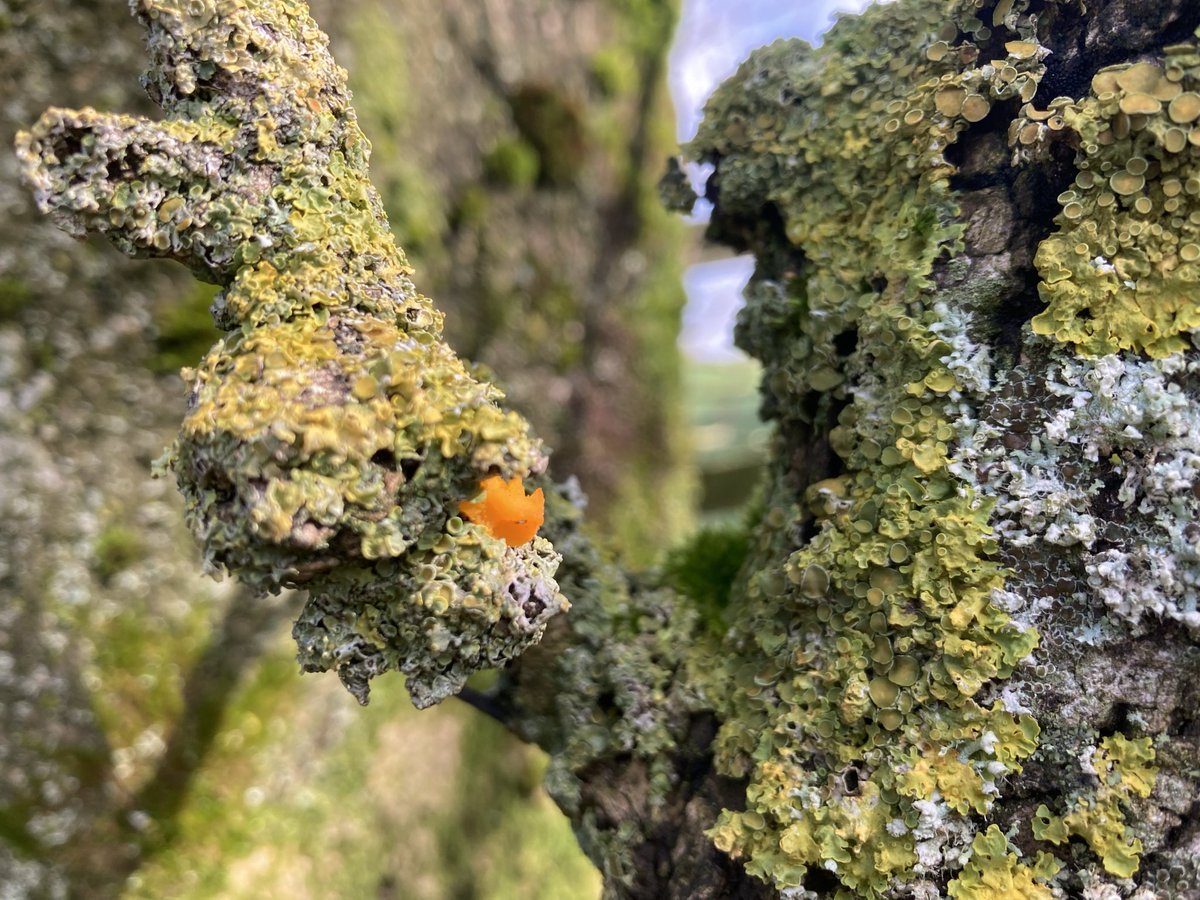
855 694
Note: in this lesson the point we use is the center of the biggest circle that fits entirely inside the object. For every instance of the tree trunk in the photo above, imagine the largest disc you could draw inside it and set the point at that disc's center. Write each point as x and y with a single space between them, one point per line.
961 655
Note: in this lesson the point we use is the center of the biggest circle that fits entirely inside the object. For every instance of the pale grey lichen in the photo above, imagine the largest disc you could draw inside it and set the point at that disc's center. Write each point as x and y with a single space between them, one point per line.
1123 435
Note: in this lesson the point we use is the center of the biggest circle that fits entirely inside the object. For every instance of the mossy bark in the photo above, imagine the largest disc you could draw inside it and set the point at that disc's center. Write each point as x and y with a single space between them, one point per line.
962 653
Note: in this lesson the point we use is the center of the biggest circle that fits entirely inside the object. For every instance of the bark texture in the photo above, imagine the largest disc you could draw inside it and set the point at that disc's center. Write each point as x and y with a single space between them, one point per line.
961 654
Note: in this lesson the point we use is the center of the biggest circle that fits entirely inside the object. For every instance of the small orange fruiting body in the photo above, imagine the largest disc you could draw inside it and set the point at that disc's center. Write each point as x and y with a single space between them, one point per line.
505 511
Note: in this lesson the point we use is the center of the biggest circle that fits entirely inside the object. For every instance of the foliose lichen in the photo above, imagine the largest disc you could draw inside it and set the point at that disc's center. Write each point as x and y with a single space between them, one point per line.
1122 769
995 872
853 690
1121 272
608 695
332 433
863 688
1078 477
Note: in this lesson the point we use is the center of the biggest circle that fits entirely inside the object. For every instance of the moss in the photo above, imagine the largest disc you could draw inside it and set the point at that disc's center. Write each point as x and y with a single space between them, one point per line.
251 830
472 208
514 163
15 295
185 330
1121 770
614 70
852 686
117 547
705 569
648 23
553 126
136 671
522 846
382 86
240 835
660 480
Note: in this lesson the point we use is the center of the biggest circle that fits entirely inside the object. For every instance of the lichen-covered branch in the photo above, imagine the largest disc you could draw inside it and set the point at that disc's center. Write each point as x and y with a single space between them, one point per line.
332 434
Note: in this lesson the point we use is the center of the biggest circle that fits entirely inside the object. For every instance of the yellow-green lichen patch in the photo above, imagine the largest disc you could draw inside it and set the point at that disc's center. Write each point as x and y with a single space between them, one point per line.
316 441
1123 270
332 433
853 696
1123 769
994 872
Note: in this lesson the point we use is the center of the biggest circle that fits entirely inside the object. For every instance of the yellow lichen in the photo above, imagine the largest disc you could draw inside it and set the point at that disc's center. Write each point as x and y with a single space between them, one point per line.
848 689
1120 274
1124 769
332 431
995 873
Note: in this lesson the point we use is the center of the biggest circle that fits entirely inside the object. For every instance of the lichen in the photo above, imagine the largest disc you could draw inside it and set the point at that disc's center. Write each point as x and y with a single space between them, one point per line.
996 873
331 433
1120 769
892 588
852 685
607 695
1121 272
1078 476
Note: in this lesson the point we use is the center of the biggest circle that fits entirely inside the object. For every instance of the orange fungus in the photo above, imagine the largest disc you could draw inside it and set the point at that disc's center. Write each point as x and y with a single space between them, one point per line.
505 511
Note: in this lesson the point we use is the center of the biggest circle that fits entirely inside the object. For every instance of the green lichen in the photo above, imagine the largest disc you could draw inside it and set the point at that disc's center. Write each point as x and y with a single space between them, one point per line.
1122 271
853 683
607 696
1123 769
996 873
331 433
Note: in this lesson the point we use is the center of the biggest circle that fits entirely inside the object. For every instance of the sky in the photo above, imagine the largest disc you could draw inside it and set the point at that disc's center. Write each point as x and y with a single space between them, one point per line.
712 38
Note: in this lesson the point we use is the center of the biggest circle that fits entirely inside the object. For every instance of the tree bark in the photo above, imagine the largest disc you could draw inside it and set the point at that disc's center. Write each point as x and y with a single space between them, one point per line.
961 655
